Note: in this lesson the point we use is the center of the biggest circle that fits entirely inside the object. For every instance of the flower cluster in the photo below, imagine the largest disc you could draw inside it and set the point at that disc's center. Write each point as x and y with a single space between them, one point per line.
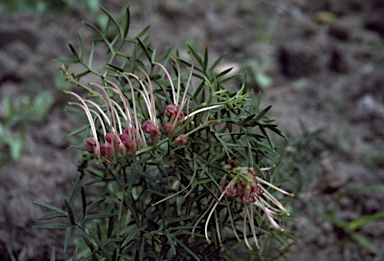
119 118
250 189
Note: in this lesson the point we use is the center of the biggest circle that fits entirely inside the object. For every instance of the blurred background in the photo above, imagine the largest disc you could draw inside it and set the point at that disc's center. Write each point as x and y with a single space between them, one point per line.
319 63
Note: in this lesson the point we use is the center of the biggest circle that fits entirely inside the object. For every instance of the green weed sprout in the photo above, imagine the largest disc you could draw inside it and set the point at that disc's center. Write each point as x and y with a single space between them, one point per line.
18 113
177 164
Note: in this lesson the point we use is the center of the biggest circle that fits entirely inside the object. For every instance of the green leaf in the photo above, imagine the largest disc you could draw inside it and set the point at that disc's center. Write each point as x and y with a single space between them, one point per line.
111 18
143 32
111 225
367 244
186 248
52 216
99 216
61 82
87 238
7 106
171 243
355 190
74 52
225 72
262 113
361 221
90 60
164 55
205 62
50 207
42 103
195 54
115 67
53 226
67 238
215 63
53 254
70 213
83 200
103 37
100 245
95 204
133 235
81 74
80 52
16 144
77 131
66 61
74 257
127 22
75 190
144 48
141 251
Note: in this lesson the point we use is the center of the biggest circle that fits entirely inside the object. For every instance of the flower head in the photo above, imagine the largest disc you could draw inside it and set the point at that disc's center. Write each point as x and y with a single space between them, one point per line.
247 186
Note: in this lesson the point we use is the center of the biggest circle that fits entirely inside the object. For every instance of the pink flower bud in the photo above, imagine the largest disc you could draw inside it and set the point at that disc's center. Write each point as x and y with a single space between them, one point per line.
153 130
115 141
231 191
168 127
149 127
128 142
259 191
130 131
112 138
172 110
107 151
92 145
181 140
248 200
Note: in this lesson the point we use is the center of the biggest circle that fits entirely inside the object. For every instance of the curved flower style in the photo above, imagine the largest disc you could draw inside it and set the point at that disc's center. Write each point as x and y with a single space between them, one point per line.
174 111
110 113
250 189
92 143
150 126
117 140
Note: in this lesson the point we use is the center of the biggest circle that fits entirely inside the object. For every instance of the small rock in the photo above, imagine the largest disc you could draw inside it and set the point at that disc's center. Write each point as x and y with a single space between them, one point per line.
368 107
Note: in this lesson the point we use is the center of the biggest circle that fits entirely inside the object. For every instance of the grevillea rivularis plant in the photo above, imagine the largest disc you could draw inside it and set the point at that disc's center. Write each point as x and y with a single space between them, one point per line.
178 162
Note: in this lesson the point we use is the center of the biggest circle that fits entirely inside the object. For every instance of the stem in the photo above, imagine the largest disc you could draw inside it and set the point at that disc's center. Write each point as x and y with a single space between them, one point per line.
121 211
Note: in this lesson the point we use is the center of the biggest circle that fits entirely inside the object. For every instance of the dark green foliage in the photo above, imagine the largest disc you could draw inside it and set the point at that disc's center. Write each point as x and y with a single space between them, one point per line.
152 204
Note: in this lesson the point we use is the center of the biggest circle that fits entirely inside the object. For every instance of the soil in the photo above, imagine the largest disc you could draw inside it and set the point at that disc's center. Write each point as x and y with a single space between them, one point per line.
325 59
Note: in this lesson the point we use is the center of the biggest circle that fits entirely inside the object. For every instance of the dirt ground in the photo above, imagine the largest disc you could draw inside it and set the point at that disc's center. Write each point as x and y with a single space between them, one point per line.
325 59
